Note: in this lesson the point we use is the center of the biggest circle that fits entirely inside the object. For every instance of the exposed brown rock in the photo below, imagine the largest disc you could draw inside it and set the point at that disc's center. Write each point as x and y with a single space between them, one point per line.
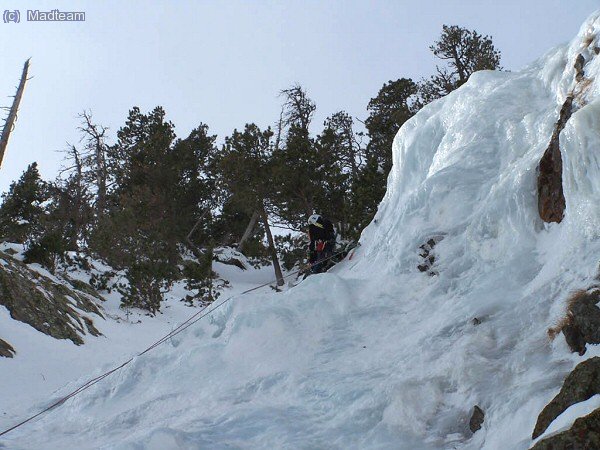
574 338
477 419
551 200
583 435
6 349
581 384
581 325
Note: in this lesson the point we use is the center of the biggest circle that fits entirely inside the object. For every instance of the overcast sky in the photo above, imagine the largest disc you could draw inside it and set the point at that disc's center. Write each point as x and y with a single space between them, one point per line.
223 62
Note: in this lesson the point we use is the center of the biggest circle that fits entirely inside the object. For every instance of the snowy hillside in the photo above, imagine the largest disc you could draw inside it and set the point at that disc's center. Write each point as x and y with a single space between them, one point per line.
45 361
378 354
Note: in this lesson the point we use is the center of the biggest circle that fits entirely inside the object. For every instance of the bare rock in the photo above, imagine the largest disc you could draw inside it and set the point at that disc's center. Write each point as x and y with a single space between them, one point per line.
583 435
230 257
51 308
426 253
6 349
581 384
585 315
574 338
582 323
551 199
477 419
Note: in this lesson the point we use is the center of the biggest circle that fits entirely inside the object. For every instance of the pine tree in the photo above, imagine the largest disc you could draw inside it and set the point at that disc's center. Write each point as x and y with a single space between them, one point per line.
393 105
341 158
22 207
343 143
72 200
465 52
245 170
196 194
137 233
296 161
50 244
368 190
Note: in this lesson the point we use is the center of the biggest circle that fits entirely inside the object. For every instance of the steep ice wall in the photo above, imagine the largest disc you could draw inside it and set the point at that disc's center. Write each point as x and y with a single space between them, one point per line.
378 354
465 169
466 164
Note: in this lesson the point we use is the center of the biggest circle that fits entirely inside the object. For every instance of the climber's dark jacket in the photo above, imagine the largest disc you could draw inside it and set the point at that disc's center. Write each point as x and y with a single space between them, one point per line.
322 240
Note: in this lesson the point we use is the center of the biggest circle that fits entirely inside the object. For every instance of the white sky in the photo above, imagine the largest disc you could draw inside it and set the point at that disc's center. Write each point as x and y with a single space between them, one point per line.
223 62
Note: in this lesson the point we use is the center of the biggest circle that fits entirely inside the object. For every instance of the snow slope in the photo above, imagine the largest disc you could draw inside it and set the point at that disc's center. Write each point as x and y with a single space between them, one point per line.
377 354
44 364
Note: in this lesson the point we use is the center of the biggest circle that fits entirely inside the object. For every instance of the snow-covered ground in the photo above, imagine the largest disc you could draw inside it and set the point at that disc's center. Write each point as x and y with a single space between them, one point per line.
44 364
376 354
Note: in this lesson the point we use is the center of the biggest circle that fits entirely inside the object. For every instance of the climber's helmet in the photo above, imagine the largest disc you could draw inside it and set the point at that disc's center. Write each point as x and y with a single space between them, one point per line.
314 219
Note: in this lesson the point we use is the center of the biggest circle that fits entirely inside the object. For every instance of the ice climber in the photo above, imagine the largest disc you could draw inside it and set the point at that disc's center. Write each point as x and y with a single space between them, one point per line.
322 243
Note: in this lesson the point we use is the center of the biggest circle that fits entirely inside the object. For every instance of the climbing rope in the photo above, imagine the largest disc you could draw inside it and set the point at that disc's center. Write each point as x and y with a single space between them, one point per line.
181 327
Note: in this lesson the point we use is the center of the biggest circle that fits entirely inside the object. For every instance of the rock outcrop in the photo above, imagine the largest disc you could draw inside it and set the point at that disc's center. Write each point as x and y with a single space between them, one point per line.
6 349
230 257
427 254
477 419
54 307
581 325
551 199
583 435
581 384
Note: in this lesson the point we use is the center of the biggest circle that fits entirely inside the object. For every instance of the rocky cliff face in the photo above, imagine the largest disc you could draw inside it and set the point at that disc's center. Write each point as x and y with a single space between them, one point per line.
581 323
551 199
584 434
580 385
58 307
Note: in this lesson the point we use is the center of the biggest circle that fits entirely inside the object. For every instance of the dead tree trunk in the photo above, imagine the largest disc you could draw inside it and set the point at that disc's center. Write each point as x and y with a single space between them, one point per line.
195 250
272 248
12 114
279 130
248 231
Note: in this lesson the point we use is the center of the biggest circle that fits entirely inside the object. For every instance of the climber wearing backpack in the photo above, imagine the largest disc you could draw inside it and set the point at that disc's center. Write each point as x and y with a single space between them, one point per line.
322 243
